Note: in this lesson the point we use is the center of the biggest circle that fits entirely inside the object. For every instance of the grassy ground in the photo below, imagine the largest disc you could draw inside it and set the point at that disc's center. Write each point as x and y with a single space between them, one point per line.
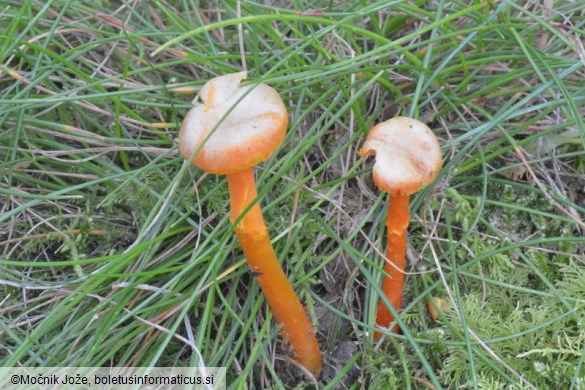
113 251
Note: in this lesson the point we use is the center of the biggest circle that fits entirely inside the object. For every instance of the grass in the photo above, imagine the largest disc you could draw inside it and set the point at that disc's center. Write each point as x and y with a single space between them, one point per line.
113 251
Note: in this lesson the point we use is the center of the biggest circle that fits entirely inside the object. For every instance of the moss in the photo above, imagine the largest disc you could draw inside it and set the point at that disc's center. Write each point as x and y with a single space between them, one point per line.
508 302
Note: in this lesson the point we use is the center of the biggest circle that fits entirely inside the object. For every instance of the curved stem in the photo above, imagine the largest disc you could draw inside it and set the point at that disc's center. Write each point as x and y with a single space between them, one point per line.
284 303
393 284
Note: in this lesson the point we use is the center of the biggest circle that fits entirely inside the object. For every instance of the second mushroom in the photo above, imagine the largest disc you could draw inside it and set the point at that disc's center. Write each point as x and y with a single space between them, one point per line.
408 157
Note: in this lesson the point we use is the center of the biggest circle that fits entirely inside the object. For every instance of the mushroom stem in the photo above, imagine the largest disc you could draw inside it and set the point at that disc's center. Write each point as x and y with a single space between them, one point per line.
393 284
255 241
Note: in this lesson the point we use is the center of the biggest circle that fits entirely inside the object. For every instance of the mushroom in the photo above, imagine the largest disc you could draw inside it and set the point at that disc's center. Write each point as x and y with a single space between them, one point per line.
436 305
233 129
408 157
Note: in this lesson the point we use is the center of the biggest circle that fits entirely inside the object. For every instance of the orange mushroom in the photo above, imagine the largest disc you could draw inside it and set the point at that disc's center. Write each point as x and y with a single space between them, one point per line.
233 129
408 157
435 306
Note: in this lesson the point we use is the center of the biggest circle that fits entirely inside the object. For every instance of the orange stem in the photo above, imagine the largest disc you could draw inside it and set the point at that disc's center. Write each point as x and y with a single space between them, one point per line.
393 284
284 303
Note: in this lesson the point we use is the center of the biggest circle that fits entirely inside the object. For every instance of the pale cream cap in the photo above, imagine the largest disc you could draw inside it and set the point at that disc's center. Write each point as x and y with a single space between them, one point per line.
408 155
249 134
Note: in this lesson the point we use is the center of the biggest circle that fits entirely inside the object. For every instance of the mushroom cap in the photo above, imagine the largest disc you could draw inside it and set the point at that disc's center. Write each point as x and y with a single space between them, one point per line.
408 155
253 128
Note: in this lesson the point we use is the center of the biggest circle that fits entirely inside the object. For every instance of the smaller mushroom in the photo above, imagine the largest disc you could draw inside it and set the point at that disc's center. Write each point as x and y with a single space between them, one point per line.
232 129
408 158
436 306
